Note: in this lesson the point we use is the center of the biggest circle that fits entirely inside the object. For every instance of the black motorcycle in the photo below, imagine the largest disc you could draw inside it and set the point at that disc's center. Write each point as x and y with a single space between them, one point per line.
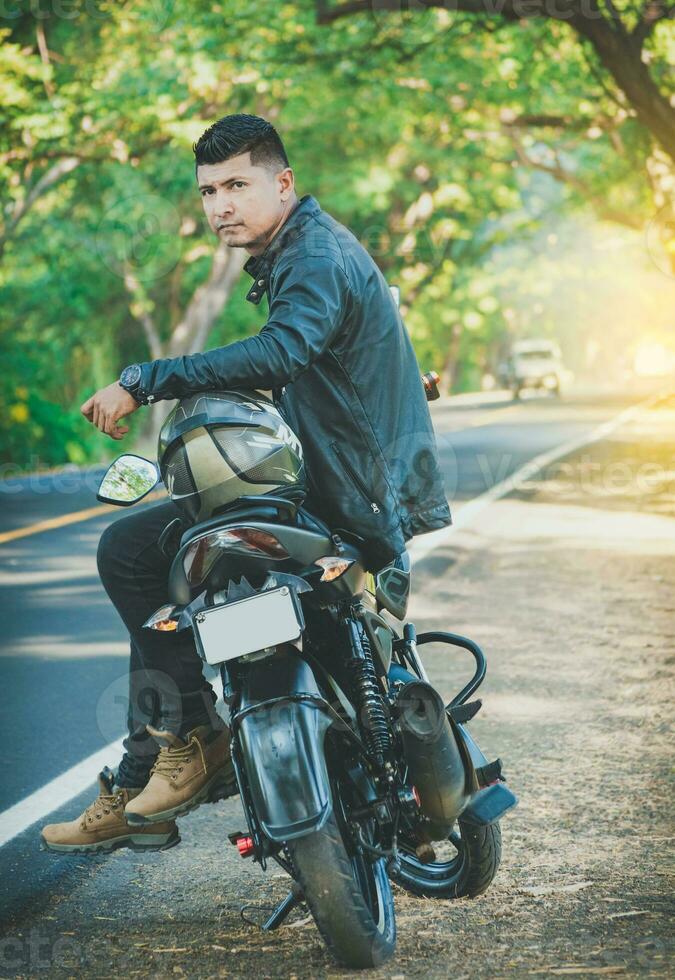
352 772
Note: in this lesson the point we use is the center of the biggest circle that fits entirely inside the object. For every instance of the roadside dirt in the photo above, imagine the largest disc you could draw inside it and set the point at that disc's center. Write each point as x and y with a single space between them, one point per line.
574 605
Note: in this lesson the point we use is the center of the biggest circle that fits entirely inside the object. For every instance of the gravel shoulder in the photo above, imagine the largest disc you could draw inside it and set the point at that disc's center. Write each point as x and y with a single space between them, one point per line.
573 603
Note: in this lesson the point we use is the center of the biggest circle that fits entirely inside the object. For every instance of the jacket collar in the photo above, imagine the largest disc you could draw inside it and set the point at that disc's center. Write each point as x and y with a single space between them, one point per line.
260 266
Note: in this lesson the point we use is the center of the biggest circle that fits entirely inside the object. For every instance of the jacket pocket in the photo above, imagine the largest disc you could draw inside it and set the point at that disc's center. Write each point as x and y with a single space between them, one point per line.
355 478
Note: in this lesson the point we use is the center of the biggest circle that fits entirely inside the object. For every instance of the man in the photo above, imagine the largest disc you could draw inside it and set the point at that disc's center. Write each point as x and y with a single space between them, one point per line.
343 373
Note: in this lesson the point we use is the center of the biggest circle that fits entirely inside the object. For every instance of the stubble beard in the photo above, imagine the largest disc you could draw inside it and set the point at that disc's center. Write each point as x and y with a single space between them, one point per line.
233 241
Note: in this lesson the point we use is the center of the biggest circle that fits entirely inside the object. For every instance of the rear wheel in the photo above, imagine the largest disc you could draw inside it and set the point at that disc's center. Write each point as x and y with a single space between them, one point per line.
348 894
464 865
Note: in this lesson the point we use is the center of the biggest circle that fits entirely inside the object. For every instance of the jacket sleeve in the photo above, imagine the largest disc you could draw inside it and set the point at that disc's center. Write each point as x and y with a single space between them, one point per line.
306 314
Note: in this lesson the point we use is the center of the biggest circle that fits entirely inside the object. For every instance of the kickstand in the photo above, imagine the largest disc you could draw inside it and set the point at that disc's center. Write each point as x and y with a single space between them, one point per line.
284 908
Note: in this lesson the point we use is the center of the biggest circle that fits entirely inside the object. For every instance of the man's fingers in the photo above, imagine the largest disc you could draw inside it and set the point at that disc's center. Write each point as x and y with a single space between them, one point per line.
107 406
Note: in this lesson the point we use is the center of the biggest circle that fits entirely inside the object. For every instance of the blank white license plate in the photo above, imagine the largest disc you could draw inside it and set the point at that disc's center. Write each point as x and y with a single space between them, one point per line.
264 620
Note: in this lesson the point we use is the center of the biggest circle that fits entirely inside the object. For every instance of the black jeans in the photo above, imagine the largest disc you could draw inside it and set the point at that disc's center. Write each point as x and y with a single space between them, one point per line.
166 686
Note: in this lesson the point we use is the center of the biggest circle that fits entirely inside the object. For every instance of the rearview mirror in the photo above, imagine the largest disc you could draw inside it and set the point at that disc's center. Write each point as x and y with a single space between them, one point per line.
128 480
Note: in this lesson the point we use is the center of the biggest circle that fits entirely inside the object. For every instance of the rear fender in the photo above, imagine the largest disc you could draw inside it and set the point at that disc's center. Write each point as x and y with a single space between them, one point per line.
281 739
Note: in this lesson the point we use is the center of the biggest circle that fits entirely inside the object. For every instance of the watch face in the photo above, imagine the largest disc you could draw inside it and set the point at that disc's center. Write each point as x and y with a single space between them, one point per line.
130 376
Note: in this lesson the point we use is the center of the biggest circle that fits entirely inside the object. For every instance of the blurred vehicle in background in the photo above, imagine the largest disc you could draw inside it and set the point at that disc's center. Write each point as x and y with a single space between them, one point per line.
533 364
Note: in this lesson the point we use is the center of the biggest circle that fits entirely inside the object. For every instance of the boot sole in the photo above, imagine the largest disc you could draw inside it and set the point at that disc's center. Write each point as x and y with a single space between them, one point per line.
135 842
216 789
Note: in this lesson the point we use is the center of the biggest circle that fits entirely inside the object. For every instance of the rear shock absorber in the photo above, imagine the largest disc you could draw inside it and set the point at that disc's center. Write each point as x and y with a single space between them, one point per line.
367 697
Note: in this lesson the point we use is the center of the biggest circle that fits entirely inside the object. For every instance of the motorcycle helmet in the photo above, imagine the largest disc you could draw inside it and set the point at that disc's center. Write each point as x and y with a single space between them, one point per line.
217 446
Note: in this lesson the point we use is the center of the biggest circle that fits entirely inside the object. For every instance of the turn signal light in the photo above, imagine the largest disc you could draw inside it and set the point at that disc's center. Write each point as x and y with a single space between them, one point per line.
333 567
161 619
165 625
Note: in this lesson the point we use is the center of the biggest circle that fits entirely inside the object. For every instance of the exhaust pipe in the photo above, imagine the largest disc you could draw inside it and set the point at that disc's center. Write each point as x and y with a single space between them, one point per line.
436 764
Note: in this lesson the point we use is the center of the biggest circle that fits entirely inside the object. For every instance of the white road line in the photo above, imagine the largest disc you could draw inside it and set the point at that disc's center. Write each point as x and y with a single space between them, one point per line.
57 792
70 784
468 512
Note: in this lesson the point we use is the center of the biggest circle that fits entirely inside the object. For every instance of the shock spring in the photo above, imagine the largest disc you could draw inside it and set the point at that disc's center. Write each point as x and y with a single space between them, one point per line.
368 699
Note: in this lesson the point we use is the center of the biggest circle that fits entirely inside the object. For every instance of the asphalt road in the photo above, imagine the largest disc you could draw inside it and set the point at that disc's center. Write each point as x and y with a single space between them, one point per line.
63 655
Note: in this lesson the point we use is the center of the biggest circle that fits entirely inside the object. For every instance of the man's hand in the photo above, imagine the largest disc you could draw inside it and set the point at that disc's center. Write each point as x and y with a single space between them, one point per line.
107 406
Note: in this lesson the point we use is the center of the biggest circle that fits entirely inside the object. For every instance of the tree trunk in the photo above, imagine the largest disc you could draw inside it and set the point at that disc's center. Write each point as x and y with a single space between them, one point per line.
190 334
449 372
621 56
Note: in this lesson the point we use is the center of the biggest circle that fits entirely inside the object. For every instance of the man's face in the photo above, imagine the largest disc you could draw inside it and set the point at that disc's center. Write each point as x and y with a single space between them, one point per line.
245 204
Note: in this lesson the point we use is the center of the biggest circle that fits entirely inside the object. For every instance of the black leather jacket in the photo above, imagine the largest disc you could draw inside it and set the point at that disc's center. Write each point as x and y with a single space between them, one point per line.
344 375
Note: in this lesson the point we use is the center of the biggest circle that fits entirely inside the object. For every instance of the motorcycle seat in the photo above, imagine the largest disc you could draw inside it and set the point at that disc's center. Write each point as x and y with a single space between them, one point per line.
311 522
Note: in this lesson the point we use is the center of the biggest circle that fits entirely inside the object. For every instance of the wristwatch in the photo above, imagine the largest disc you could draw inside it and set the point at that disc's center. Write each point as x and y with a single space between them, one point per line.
130 380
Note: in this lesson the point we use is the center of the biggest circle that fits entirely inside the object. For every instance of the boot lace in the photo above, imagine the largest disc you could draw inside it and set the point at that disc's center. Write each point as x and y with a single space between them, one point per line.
102 804
171 760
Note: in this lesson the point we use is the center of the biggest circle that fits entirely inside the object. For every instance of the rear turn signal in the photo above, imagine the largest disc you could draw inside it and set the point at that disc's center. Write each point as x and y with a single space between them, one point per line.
333 567
165 625
161 619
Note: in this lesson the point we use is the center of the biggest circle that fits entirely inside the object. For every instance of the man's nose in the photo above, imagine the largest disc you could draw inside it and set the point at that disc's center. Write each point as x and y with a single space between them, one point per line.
223 206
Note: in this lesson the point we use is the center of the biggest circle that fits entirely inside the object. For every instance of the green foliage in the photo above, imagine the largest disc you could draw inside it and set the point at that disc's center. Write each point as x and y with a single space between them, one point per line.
402 127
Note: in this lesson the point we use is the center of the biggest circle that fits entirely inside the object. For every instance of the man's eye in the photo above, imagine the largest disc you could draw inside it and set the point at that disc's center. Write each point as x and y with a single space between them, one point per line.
239 183
208 190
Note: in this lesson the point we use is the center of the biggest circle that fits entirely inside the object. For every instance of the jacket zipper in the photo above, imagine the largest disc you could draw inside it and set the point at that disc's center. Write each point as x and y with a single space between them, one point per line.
355 477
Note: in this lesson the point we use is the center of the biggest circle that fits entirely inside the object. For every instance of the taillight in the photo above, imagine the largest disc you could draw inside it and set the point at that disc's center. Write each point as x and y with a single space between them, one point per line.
202 554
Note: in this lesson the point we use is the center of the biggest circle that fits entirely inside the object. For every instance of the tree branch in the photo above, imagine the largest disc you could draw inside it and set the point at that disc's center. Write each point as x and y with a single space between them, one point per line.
23 206
599 204
614 16
652 12
508 9
553 122
619 56
44 56
208 300
139 309
615 48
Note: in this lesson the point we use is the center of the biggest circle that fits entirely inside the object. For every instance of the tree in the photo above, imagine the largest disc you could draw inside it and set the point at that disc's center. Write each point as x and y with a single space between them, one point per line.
618 39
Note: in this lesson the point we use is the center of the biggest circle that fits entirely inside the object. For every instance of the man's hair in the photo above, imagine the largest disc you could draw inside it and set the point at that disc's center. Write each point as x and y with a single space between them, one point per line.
241 133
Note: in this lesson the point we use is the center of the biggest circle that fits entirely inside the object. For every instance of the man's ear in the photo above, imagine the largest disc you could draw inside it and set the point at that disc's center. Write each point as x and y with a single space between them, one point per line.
286 183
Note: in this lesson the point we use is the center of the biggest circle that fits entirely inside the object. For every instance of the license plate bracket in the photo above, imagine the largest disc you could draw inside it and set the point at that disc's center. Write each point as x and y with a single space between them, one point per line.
247 625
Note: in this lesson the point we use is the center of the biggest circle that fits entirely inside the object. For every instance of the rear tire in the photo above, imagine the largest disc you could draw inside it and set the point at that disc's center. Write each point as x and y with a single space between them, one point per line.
469 873
348 895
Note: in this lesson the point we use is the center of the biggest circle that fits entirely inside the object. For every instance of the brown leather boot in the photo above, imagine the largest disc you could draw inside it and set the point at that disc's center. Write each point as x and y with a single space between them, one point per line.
188 772
103 827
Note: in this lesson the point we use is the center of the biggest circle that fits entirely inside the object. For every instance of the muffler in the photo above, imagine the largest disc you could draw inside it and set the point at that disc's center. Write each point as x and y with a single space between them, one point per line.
438 765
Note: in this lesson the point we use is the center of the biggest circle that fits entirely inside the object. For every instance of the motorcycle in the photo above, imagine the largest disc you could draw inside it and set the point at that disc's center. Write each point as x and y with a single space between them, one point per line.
352 771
